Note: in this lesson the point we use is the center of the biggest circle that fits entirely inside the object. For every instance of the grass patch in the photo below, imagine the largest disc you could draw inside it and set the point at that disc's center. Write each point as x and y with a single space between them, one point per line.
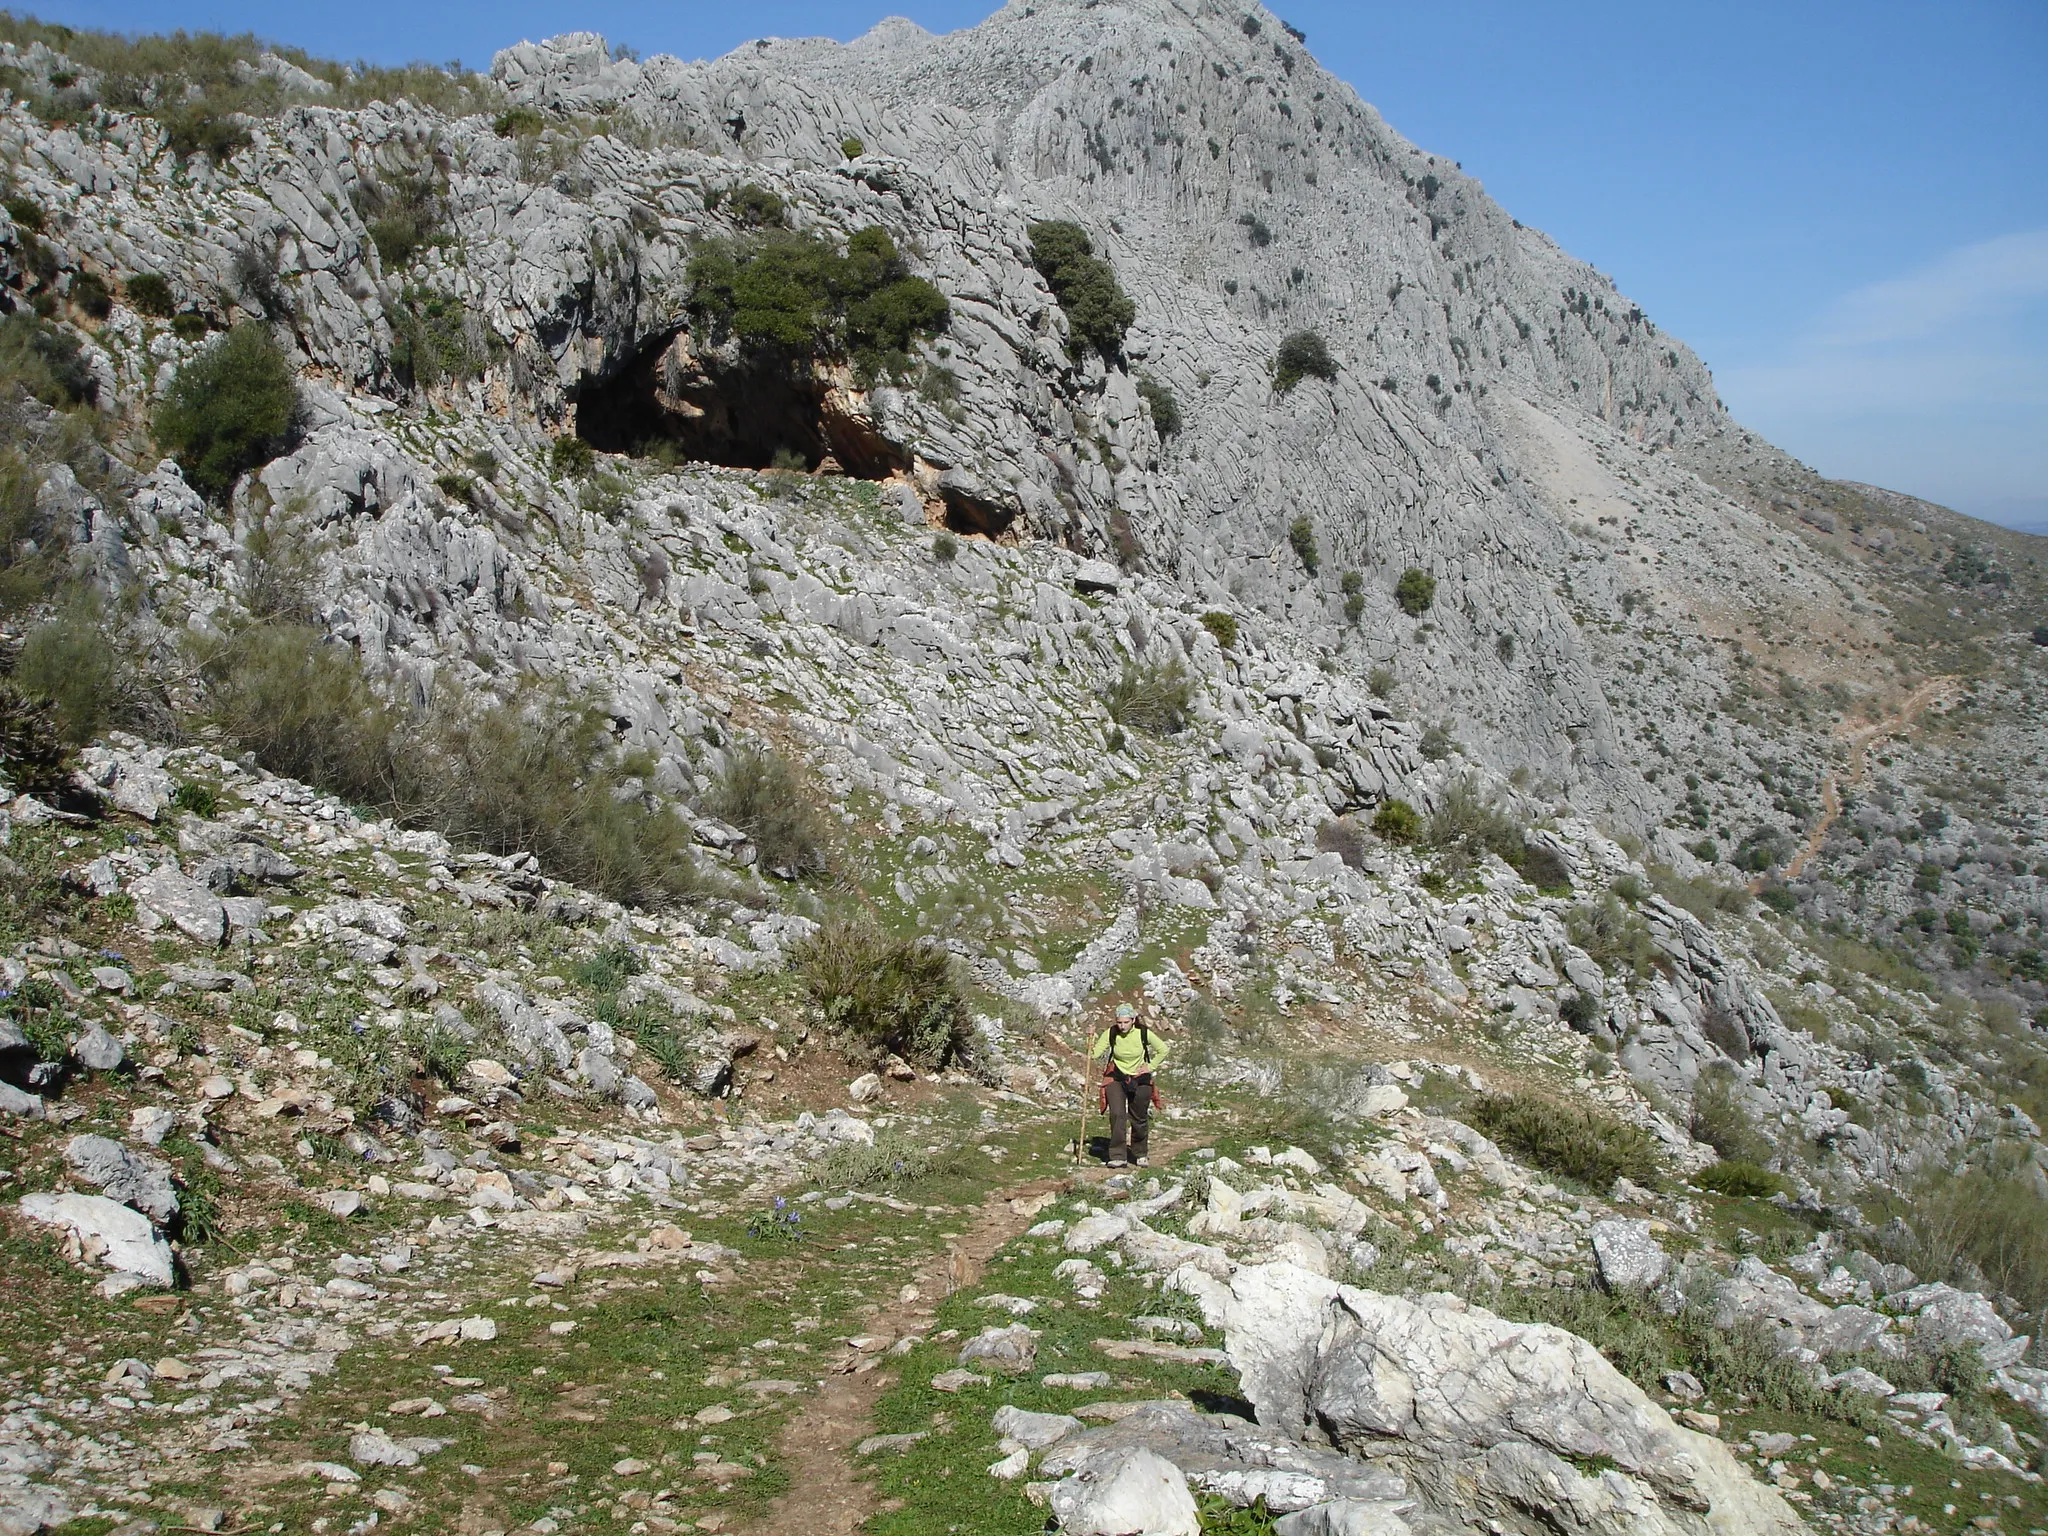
1568 1140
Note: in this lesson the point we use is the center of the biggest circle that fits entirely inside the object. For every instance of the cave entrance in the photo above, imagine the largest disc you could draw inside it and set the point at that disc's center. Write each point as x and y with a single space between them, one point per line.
669 402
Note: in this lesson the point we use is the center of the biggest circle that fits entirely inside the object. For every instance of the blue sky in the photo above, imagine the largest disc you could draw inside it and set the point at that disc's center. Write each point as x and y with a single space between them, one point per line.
1842 204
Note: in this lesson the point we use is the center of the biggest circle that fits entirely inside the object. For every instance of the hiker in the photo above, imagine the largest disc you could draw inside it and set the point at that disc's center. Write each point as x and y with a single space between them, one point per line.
1130 1052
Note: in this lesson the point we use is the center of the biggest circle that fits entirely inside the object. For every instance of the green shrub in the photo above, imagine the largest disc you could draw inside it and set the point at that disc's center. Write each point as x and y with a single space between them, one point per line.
1467 825
1415 591
229 410
35 759
34 543
1569 1140
1160 401
1437 742
1779 899
89 291
519 123
1988 1219
1617 939
405 215
26 213
1740 1178
1223 626
1380 682
204 127
540 773
1301 538
945 548
1353 586
195 798
45 362
755 206
1718 1119
150 295
882 993
1398 822
1302 355
851 147
72 665
1098 310
534 773
767 797
1152 697
788 296
434 337
189 327
571 455
1580 1011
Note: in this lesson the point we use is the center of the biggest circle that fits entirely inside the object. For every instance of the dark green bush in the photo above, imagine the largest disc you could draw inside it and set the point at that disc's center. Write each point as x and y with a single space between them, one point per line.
1353 586
1152 697
405 215
196 798
754 205
189 326
1397 821
945 548
44 361
851 147
1224 627
26 214
1098 310
229 410
1160 401
33 544
769 798
882 993
571 455
35 759
1739 1177
534 773
788 297
1580 1011
1617 939
89 291
71 664
206 128
150 295
435 337
1415 591
1302 355
1569 1140
518 123
1301 538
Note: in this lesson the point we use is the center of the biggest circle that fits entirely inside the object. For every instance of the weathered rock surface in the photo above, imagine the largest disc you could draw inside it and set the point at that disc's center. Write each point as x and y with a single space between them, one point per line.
108 1233
1487 1413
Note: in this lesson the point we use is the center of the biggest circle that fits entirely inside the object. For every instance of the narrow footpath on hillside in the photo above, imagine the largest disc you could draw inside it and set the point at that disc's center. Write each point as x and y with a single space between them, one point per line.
1859 739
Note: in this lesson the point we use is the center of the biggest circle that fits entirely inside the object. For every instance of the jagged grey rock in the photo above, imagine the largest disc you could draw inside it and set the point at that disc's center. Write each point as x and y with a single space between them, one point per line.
108 1233
1130 1491
142 1183
1487 1413
183 902
1630 1257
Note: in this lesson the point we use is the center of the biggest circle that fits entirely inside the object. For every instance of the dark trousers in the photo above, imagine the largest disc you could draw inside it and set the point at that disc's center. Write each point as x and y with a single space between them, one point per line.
1130 1115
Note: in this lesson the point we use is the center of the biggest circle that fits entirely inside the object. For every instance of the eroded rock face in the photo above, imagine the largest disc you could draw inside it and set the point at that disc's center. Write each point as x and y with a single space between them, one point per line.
1489 1416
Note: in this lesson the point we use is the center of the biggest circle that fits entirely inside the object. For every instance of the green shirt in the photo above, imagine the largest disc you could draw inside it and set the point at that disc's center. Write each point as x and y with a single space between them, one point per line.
1129 1054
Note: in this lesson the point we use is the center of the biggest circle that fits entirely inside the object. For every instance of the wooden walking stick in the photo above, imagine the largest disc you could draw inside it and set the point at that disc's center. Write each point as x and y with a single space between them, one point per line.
1087 1069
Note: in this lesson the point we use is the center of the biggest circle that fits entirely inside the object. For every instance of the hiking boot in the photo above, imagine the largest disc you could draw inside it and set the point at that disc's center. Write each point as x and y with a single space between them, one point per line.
1142 1162
1115 1161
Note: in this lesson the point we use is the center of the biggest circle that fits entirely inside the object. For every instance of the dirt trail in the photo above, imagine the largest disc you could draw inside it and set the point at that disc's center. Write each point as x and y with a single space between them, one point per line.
1859 740
828 1494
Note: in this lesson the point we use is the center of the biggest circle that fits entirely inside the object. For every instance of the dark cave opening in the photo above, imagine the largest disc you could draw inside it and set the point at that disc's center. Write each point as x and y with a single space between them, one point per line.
750 414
